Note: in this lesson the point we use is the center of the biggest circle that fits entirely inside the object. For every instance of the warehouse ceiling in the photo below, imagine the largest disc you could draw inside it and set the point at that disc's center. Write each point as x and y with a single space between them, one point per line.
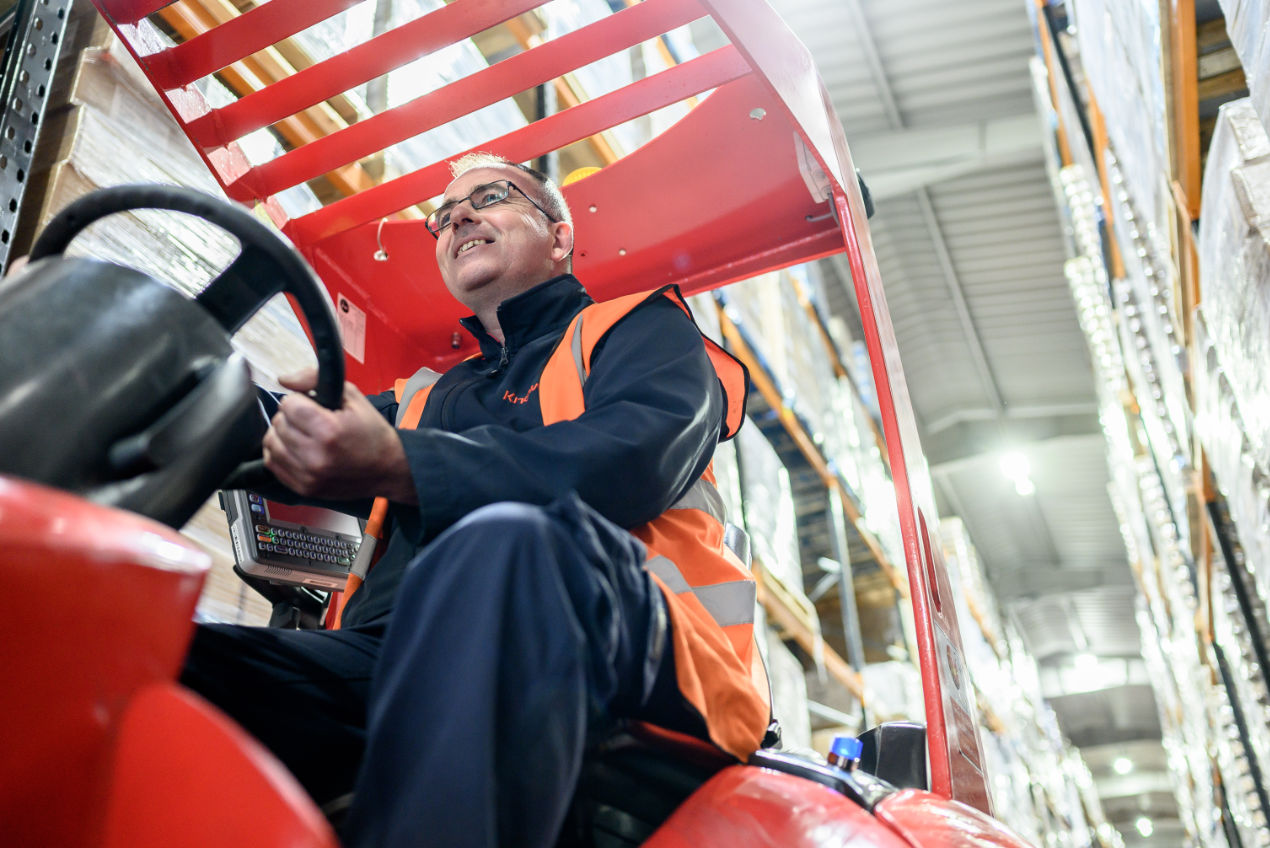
936 99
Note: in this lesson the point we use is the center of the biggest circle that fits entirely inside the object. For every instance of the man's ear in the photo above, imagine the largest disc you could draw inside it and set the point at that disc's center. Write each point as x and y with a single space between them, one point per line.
562 246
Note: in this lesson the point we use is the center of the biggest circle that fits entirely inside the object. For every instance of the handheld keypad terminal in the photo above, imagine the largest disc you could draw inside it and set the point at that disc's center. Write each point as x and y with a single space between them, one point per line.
282 543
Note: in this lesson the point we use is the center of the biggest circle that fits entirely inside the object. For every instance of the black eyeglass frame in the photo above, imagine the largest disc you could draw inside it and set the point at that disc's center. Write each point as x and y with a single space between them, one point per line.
471 200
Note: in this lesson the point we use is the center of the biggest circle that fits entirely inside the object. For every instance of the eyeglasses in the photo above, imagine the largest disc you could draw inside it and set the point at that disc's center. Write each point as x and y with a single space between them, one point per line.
481 196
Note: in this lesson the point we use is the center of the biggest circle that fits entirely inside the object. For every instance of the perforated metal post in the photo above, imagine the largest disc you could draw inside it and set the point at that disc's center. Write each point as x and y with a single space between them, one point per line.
35 42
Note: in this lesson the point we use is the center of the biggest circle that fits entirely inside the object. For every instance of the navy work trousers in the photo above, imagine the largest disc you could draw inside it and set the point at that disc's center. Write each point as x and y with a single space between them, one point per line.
519 634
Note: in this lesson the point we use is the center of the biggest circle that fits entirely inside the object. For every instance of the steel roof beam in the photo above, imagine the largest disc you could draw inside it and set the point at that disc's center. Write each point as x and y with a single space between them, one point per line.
895 163
952 447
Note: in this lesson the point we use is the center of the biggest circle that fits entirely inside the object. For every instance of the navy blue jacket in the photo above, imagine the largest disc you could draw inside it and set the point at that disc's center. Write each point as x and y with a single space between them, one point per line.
654 411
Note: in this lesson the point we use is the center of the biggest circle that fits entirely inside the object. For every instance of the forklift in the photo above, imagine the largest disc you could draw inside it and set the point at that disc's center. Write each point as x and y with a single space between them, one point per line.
123 401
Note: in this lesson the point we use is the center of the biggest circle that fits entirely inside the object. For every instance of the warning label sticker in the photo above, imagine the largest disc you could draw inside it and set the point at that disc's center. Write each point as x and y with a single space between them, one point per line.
352 328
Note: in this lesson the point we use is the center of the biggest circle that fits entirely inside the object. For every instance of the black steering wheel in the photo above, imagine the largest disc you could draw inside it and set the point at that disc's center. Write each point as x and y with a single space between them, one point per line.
265 266
119 388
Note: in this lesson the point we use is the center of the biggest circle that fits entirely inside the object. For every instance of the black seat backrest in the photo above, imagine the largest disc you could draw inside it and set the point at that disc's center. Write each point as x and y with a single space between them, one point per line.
896 752
631 784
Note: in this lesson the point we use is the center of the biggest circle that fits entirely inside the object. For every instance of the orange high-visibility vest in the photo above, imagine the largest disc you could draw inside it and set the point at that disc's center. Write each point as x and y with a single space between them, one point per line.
710 595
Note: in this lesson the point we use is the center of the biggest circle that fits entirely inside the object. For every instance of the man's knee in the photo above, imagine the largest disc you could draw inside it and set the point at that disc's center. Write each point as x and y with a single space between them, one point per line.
500 538
507 520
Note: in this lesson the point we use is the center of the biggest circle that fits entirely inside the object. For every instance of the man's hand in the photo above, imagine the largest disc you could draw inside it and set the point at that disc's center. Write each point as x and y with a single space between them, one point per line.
338 454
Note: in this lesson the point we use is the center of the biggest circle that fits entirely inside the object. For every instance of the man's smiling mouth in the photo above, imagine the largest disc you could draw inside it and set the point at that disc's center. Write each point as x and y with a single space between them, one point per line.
468 245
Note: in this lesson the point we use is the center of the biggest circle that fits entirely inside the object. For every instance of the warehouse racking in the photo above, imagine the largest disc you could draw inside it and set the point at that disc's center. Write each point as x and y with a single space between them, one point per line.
1158 118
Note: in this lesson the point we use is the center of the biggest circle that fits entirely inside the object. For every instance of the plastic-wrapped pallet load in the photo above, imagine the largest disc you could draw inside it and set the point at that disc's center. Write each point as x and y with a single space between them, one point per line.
881 516
1232 389
769 309
847 435
769 508
770 520
705 311
1233 255
727 477
1120 50
1247 22
756 307
972 580
810 379
789 694
893 692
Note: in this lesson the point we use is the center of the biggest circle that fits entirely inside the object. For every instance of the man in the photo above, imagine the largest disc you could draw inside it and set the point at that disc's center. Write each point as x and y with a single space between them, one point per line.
512 616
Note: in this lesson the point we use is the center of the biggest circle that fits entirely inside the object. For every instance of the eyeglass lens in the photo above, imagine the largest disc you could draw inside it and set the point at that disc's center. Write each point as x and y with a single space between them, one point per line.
481 196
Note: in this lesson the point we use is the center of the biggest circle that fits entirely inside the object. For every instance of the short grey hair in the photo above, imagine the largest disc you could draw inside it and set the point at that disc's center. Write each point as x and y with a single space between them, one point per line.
549 193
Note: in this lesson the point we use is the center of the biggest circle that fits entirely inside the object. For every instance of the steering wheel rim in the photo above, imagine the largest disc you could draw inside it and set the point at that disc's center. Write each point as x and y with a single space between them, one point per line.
265 266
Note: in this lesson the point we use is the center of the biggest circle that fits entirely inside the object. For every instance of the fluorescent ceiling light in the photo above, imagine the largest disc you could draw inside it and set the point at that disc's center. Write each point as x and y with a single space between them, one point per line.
1014 465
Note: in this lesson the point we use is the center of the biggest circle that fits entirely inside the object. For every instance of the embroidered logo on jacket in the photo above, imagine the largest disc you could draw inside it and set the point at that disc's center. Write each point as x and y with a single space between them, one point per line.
512 397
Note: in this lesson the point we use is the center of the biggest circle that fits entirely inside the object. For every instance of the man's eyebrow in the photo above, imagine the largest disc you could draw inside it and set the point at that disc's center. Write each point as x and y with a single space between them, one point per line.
475 188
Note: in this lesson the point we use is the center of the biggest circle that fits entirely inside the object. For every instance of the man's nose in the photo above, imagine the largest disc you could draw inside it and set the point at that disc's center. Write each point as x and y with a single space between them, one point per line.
463 212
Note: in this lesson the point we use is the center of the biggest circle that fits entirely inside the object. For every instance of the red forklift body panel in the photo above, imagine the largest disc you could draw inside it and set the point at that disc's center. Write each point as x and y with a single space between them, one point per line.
924 819
101 747
754 808
97 603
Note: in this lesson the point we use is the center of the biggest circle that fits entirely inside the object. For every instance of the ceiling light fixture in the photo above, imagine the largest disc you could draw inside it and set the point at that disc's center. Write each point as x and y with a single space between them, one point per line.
1015 467
1144 826
1122 765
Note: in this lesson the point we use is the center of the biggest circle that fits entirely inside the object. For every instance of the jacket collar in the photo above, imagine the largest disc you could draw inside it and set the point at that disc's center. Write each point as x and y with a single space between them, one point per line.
547 308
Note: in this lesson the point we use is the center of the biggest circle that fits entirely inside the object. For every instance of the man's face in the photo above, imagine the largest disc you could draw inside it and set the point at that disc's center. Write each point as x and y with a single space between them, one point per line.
488 255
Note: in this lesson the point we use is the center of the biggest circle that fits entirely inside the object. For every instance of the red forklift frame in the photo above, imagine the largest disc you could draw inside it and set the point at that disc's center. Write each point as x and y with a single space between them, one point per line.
757 176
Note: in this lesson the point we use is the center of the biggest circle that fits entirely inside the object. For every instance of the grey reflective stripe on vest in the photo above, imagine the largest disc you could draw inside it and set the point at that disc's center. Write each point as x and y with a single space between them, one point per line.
575 347
669 574
728 603
419 381
704 496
